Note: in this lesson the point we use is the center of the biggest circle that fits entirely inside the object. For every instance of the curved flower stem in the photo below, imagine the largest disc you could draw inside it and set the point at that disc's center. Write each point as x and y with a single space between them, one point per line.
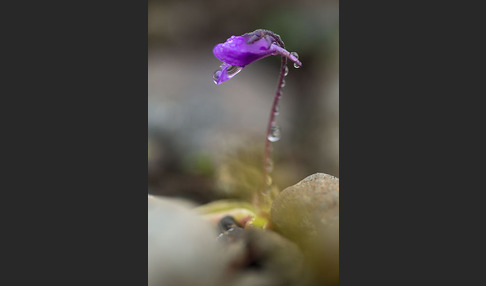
263 198
284 53
271 123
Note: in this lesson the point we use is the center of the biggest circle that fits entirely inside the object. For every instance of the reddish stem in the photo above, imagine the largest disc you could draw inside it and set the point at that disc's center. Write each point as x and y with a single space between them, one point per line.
271 123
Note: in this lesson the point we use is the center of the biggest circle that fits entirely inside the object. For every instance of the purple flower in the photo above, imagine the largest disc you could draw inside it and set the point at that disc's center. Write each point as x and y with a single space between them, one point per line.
240 51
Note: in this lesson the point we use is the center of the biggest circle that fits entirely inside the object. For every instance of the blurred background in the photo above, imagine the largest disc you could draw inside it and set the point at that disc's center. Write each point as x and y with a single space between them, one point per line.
205 140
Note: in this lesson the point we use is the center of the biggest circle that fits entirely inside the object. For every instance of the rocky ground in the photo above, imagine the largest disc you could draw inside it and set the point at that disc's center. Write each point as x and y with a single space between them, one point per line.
299 246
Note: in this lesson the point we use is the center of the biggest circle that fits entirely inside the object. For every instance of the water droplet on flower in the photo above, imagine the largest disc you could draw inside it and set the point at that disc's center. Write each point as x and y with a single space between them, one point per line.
283 83
296 56
276 111
233 70
286 71
274 135
217 76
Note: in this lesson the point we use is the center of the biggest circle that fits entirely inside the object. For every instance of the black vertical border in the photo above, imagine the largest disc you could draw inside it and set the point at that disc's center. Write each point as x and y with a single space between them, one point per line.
75 138
377 144
120 45
77 81
410 153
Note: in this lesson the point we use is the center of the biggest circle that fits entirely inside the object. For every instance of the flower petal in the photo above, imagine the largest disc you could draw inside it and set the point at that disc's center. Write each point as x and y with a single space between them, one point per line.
237 51
225 72
240 51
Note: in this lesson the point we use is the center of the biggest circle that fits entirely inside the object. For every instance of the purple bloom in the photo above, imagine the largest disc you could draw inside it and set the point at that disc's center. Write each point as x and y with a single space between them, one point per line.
240 51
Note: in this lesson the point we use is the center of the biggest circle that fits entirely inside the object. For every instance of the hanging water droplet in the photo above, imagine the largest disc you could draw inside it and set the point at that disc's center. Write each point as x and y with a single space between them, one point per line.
217 76
233 70
268 180
283 83
276 111
286 71
296 56
269 165
274 135
267 191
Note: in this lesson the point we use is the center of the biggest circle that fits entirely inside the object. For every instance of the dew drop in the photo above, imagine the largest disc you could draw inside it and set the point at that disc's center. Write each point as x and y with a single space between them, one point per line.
274 135
276 111
233 70
296 56
268 180
217 76
283 83
269 165
267 191
286 71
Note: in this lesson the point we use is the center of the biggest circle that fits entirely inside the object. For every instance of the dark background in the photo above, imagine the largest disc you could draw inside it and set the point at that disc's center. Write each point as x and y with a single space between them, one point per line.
75 142
198 131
